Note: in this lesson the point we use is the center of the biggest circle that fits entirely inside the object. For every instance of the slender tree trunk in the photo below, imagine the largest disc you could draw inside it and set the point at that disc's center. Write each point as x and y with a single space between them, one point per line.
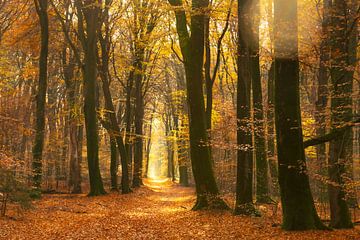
75 128
322 92
271 156
244 183
149 143
115 133
113 163
41 8
298 207
139 118
340 155
262 168
75 157
271 130
128 120
208 80
113 128
182 150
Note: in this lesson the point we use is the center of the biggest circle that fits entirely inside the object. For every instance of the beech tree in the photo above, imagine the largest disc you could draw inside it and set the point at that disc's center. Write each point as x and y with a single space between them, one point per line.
299 211
112 124
41 7
244 184
88 11
342 59
192 49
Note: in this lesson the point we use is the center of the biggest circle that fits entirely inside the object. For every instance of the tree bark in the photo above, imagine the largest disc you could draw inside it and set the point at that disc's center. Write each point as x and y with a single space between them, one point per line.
262 167
340 152
113 128
193 53
37 151
139 118
299 211
91 15
244 184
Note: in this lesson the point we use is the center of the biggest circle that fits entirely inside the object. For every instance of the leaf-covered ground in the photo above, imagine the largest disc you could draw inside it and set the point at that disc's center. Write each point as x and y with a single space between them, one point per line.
158 211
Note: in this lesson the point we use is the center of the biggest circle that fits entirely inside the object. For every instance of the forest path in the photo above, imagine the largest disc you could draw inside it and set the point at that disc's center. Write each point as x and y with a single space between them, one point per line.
159 210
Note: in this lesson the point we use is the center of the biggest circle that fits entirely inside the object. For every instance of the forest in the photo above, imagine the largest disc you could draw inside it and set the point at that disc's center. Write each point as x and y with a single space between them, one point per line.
179 119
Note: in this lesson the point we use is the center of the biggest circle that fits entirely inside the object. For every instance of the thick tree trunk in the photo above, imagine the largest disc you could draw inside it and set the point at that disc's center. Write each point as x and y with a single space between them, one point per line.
193 53
91 14
41 8
206 187
299 211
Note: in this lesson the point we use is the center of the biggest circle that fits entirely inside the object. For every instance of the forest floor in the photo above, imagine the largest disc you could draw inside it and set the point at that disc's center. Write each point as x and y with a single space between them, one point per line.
160 210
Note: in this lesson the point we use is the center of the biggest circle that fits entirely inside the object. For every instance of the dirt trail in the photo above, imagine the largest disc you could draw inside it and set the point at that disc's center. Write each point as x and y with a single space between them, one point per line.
160 210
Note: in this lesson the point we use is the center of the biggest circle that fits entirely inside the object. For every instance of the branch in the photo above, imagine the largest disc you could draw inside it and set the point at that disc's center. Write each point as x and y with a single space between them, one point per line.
331 135
218 56
67 34
181 26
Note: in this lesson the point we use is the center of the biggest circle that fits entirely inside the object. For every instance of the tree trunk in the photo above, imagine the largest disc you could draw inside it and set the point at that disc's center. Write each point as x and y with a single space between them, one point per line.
41 9
322 92
340 155
113 129
115 133
193 53
271 131
113 163
75 157
139 118
128 120
299 211
91 14
262 168
75 128
244 184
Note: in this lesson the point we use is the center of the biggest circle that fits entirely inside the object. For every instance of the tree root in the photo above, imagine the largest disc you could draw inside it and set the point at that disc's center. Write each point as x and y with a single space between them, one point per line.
247 209
209 202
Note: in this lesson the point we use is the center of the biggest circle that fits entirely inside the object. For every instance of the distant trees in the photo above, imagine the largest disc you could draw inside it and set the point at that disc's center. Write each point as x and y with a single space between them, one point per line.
117 68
